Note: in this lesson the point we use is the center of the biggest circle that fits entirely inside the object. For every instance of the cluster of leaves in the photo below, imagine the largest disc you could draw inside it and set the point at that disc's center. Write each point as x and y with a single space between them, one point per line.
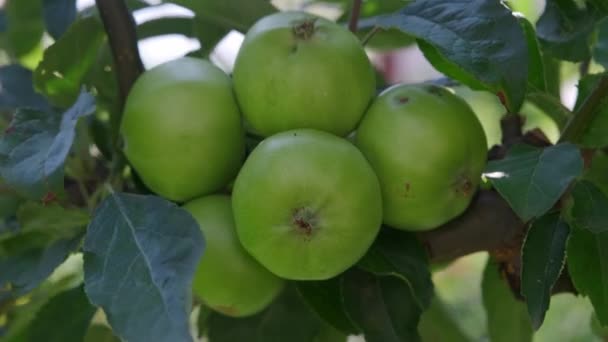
62 176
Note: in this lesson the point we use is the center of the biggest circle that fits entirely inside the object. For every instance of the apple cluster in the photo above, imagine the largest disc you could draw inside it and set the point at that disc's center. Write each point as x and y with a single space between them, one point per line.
336 161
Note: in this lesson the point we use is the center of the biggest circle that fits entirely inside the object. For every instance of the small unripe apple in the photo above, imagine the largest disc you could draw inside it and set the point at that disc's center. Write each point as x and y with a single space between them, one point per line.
228 279
182 129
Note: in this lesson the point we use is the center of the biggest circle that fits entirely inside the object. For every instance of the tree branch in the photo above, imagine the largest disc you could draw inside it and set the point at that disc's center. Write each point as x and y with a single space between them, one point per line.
354 16
121 31
488 224
578 124
120 28
583 68
511 126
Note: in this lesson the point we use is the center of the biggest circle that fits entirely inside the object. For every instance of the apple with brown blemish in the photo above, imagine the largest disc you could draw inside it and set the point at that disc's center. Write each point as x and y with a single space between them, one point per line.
428 149
307 205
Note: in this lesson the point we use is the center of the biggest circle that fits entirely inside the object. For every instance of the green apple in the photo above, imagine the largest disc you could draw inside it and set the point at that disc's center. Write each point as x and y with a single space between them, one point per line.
228 279
428 150
307 205
296 70
182 129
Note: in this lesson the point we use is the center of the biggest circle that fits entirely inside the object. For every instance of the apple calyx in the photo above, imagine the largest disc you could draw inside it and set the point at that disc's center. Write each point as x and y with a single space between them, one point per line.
304 221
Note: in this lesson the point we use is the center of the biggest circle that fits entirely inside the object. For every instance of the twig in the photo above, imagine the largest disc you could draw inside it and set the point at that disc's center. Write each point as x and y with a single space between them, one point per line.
120 28
511 127
6 304
579 123
354 16
584 67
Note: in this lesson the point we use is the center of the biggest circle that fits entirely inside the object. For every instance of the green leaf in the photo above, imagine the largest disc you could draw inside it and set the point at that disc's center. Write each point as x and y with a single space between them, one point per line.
140 254
588 268
51 219
552 106
23 271
15 243
326 299
395 262
600 49
507 317
9 203
553 74
479 43
65 64
595 136
202 321
597 173
597 328
64 318
384 39
227 329
17 90
102 79
586 85
24 25
590 209
438 325
532 180
599 5
166 25
382 307
400 254
100 333
543 257
34 148
565 30
208 34
58 16
229 14
20 317
536 67
329 334
286 319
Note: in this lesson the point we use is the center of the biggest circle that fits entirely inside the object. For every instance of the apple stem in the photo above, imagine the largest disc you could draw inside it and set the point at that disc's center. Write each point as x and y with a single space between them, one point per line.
305 29
353 23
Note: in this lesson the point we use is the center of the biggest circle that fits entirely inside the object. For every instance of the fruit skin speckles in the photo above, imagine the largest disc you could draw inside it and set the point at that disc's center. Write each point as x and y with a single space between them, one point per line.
502 98
406 189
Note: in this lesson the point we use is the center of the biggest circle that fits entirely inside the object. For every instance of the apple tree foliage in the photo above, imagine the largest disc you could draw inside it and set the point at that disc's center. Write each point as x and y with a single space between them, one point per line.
79 233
